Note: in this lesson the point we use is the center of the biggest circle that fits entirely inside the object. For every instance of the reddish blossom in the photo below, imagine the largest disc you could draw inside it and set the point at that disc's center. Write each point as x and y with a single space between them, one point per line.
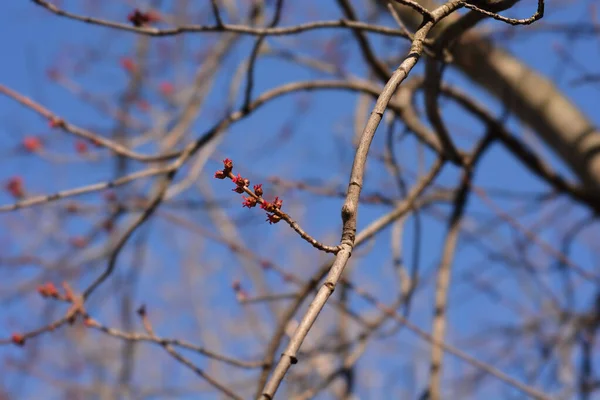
81 147
241 182
15 187
249 202
48 290
128 64
227 165
270 207
166 88
78 242
139 18
18 339
220 175
258 189
273 218
32 143
51 290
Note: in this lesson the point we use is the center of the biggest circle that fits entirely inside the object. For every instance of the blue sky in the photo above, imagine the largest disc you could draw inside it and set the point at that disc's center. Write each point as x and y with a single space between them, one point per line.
318 150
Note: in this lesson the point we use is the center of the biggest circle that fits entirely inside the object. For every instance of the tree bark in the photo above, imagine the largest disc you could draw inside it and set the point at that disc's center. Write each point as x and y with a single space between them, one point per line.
534 99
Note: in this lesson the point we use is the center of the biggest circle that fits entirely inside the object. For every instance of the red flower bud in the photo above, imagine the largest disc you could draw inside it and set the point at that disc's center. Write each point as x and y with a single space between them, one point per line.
138 18
128 64
273 218
166 88
249 202
228 165
81 147
18 339
32 143
240 182
15 187
48 290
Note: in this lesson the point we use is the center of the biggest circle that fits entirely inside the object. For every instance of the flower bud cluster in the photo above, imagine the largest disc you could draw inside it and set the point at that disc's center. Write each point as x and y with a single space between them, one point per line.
242 185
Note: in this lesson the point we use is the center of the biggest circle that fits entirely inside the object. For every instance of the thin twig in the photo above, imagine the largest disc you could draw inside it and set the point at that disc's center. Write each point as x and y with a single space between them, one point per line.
539 14
240 29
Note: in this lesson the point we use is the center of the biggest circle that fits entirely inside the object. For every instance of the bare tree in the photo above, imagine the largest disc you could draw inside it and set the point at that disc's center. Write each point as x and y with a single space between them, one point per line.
464 263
